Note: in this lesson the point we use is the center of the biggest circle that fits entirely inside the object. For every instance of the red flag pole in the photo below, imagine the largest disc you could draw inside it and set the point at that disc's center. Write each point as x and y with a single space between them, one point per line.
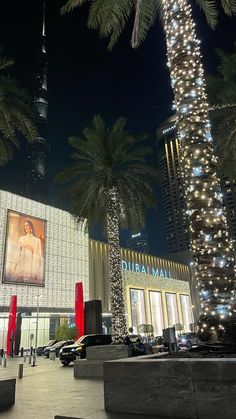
79 308
11 325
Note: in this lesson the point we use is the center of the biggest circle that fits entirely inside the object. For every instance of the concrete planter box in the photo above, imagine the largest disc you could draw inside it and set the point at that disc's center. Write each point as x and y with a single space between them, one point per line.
7 393
171 388
92 366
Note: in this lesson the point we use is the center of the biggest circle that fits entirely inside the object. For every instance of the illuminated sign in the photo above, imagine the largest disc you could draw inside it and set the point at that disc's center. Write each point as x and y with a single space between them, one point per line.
171 128
144 269
136 235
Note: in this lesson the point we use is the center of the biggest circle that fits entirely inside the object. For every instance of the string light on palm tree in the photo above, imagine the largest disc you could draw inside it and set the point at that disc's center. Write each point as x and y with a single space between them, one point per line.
210 242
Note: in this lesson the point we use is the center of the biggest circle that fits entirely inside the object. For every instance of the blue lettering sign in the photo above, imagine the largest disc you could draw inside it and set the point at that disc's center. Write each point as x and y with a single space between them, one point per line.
155 272
136 267
143 270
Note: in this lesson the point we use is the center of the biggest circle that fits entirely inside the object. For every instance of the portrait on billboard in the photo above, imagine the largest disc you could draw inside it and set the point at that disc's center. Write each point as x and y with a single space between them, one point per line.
24 261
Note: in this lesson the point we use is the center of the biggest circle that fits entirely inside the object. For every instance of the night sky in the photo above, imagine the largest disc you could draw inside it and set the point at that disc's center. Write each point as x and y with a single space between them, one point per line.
84 79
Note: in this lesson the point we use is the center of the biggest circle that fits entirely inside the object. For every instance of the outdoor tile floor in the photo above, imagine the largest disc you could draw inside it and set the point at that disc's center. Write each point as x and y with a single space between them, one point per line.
50 389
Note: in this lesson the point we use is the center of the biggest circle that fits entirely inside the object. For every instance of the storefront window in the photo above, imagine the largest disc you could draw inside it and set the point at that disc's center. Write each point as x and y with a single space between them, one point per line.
138 314
172 309
156 312
186 312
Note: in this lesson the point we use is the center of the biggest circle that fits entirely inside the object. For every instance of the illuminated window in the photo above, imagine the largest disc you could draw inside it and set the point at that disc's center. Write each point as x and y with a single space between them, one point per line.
137 303
172 309
156 312
186 312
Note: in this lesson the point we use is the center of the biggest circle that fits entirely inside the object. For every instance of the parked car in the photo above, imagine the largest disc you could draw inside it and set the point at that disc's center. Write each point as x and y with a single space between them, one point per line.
69 353
40 349
187 340
56 348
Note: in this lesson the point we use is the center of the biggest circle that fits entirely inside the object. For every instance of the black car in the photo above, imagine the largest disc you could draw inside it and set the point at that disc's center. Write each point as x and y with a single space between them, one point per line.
40 349
69 353
56 348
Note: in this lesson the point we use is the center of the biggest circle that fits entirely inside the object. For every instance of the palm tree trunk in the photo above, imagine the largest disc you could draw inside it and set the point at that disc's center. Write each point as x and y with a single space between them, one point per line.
211 246
119 328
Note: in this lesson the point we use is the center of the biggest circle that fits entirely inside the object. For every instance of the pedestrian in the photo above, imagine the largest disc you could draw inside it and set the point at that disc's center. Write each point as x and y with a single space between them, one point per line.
139 348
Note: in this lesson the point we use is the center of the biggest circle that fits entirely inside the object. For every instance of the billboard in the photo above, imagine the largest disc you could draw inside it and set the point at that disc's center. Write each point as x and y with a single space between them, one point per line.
24 261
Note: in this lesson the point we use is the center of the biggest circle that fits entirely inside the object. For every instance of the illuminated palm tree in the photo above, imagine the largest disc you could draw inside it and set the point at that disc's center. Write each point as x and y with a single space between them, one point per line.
211 246
16 113
110 183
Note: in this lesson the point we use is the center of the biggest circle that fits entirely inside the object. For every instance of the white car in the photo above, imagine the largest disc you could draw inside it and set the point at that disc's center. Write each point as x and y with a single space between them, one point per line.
187 340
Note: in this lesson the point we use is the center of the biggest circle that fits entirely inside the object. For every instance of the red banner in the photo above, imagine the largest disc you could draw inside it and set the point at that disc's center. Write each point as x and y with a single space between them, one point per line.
11 332
79 308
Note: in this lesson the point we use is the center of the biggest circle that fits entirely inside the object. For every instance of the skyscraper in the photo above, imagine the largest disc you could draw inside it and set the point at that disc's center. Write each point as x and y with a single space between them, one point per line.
176 223
176 220
37 178
138 242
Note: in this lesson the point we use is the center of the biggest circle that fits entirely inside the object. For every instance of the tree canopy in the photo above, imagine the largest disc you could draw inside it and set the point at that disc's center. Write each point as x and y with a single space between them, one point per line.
111 17
105 158
16 113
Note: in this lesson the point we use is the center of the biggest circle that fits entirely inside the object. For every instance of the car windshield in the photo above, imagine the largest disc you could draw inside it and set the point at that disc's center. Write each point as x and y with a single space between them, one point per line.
58 344
187 336
82 339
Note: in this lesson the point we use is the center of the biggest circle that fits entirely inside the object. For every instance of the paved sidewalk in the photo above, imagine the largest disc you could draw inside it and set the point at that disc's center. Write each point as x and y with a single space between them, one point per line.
50 389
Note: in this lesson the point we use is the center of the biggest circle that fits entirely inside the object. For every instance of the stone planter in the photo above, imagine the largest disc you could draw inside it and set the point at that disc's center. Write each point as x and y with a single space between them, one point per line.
7 393
172 388
92 366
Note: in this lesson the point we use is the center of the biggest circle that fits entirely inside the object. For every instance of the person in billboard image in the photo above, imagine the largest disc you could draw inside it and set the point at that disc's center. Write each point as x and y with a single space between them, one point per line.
29 264
24 262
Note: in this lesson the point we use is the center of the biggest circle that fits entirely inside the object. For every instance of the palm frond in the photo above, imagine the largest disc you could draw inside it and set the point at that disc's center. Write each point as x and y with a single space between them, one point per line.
209 8
71 5
16 113
145 16
229 7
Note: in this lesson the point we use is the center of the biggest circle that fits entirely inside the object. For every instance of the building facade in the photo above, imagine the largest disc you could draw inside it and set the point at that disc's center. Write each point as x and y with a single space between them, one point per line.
44 253
156 291
43 271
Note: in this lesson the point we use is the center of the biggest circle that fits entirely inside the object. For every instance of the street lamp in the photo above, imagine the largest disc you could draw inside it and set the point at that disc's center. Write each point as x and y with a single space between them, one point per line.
36 332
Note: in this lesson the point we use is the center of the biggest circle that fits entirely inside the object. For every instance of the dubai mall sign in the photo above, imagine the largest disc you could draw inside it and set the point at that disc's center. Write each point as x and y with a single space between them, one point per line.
143 269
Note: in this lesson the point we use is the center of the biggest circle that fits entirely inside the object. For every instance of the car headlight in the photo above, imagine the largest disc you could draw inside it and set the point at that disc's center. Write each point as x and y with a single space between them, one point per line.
183 340
61 350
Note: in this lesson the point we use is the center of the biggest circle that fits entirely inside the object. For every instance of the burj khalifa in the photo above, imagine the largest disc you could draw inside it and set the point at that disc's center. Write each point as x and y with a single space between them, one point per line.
37 156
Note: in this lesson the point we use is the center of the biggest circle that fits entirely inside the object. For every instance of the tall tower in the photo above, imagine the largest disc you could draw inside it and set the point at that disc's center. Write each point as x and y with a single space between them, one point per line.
176 221
37 177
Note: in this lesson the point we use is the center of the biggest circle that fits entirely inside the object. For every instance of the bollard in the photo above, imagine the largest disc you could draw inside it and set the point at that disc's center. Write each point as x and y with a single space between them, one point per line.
25 358
30 360
21 352
4 362
52 356
20 370
0 360
34 362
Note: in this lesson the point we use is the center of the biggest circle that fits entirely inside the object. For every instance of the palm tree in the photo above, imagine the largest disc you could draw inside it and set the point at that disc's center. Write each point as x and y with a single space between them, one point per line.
110 182
222 94
16 113
211 246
